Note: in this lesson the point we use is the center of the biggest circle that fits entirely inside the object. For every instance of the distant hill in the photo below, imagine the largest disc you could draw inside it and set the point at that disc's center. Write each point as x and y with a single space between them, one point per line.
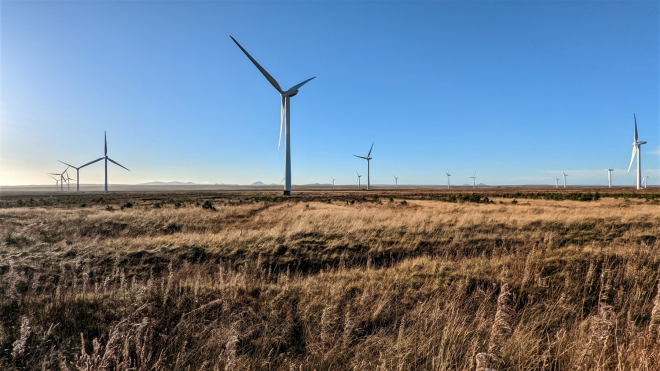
258 183
168 183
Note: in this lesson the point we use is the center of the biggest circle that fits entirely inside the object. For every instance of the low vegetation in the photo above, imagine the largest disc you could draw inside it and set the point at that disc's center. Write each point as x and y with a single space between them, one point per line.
330 281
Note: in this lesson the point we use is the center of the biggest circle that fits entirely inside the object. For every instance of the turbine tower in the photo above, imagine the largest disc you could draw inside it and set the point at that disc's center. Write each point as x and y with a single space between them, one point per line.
367 158
78 171
609 176
285 114
333 183
396 182
359 176
565 175
474 180
556 182
448 175
637 147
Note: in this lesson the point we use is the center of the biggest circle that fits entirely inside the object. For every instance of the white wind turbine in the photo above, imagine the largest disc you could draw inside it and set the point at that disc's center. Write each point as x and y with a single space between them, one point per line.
448 175
609 176
68 181
474 180
57 184
396 181
285 114
62 180
368 158
333 183
359 176
106 158
637 147
556 182
565 175
645 177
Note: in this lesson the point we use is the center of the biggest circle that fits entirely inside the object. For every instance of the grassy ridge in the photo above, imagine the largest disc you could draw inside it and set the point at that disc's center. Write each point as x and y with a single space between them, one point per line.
329 282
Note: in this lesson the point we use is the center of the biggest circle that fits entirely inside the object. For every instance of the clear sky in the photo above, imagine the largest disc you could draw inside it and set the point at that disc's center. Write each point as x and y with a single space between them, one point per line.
517 91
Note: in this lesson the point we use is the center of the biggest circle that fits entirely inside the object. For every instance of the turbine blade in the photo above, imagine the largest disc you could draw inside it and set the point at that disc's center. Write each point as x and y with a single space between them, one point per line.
89 163
360 157
372 147
296 87
263 71
632 158
281 123
116 163
68 164
105 138
635 127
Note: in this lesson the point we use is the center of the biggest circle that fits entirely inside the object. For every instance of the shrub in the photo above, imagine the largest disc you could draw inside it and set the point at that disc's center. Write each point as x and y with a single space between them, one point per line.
208 205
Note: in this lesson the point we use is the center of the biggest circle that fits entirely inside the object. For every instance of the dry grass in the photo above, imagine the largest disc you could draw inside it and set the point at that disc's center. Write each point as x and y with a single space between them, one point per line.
323 283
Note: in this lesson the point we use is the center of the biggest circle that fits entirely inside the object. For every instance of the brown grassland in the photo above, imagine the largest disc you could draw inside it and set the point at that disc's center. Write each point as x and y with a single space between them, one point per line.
386 280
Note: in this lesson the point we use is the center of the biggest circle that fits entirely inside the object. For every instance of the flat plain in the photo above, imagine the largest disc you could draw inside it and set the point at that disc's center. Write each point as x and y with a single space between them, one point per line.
408 279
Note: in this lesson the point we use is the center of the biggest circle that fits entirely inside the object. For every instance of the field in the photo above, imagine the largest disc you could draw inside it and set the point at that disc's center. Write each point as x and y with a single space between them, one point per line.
413 279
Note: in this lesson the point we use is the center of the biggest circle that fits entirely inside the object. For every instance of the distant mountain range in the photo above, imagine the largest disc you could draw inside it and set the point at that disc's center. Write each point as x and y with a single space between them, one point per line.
168 183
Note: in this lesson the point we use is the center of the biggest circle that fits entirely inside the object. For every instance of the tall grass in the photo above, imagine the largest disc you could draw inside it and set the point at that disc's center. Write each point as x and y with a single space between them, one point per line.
330 286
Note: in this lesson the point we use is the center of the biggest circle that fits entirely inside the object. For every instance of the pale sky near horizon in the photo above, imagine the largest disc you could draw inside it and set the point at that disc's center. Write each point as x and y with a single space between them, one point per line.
515 90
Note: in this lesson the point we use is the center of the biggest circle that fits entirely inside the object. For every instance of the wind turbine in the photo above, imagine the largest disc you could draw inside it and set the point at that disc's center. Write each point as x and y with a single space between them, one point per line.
68 180
61 178
359 176
333 183
565 175
106 158
285 114
645 177
57 184
637 147
448 175
474 180
609 176
396 181
367 158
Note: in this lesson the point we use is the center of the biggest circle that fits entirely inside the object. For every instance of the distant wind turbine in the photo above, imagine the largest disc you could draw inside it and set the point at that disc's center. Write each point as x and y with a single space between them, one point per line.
396 181
68 181
359 176
57 184
556 182
637 147
106 158
645 177
448 175
285 114
333 183
368 158
61 175
609 176
474 180
565 175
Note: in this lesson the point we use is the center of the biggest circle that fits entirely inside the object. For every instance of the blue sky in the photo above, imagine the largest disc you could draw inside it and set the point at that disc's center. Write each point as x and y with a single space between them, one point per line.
516 91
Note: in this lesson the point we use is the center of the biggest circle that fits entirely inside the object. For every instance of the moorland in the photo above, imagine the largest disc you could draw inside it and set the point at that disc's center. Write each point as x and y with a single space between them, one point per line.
414 279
